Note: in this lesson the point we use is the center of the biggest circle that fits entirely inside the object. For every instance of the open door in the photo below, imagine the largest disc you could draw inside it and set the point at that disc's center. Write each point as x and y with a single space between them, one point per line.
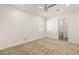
63 29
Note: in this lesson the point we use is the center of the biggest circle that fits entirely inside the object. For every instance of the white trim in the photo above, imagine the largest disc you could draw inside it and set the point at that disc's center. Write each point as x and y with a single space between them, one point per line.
21 42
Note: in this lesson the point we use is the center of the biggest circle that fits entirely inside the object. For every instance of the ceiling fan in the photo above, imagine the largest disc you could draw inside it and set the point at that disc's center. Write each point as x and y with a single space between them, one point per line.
46 6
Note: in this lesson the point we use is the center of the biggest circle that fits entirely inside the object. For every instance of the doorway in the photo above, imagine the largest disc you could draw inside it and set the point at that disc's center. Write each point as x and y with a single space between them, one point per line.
63 29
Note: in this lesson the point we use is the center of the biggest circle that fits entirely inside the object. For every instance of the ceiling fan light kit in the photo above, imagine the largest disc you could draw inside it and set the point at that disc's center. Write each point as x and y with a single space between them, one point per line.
46 7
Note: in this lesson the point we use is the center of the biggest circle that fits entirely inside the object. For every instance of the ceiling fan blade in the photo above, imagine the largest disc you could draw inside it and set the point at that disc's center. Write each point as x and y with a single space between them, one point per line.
52 5
46 8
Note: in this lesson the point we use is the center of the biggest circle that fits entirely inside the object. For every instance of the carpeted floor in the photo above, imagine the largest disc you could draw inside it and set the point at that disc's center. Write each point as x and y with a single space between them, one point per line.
43 47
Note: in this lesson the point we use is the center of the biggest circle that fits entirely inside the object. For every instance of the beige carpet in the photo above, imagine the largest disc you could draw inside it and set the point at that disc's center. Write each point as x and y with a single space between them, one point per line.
43 47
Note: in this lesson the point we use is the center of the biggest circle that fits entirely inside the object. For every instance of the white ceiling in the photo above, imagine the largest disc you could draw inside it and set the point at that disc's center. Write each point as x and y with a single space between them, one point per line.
35 9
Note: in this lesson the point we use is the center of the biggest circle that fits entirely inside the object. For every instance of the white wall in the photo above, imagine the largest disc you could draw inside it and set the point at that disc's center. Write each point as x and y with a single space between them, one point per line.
73 25
17 25
52 28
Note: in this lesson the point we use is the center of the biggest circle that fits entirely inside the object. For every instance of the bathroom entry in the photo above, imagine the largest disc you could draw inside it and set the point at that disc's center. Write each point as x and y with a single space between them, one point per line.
63 29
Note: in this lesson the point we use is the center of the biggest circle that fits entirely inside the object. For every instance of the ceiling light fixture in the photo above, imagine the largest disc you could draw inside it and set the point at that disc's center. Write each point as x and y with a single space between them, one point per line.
46 7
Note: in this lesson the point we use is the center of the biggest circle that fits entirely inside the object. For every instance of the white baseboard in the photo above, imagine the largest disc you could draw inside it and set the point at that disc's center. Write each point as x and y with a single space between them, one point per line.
21 42
51 36
74 41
